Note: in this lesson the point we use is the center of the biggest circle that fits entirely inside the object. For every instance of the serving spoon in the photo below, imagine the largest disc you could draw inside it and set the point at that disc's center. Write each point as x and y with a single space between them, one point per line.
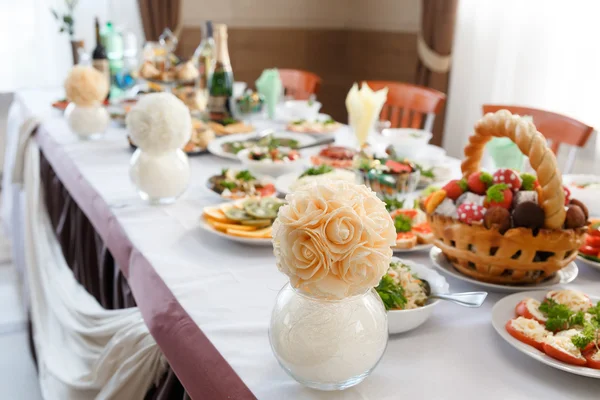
465 299
317 143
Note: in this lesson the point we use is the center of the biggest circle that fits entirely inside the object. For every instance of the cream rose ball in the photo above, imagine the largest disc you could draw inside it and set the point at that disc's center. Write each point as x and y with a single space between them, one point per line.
159 122
333 239
86 86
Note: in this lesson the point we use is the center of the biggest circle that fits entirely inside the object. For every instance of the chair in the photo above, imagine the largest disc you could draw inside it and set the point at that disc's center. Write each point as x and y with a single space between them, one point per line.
299 84
407 104
558 129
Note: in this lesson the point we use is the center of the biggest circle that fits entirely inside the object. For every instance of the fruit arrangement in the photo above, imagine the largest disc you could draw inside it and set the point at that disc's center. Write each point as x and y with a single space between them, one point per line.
507 227
591 249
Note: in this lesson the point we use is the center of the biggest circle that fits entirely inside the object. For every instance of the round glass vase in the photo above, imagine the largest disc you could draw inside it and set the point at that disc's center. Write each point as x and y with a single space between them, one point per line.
89 122
328 344
160 178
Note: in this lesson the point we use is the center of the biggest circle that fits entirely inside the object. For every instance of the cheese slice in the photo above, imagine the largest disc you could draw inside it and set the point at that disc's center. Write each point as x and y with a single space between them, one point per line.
565 344
533 306
575 300
531 328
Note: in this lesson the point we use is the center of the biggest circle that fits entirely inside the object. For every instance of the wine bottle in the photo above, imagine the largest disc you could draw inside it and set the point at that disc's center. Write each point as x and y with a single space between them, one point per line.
204 56
99 57
221 81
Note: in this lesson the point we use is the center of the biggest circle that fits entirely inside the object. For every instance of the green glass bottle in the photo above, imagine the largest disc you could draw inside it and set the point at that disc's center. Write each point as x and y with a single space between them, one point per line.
221 81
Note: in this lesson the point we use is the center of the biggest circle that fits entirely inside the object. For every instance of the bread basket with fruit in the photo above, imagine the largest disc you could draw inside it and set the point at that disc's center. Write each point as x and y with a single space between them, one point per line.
507 228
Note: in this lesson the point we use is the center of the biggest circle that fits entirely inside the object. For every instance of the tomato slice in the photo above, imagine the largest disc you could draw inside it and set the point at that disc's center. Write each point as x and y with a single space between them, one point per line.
589 250
409 212
266 190
593 241
405 235
522 310
561 355
591 362
520 336
422 228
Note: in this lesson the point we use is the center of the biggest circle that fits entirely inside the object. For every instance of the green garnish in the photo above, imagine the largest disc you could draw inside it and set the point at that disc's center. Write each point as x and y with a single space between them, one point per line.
486 178
560 317
402 223
427 173
224 171
228 121
591 330
298 122
228 185
528 181
496 192
329 121
391 294
588 257
245 175
392 203
320 170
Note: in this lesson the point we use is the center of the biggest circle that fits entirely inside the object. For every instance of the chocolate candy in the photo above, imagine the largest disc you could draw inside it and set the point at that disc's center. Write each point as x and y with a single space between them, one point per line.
583 207
523 196
498 218
528 215
575 217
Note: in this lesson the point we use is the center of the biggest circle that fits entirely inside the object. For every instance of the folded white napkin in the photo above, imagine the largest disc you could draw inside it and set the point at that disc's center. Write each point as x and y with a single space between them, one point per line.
364 107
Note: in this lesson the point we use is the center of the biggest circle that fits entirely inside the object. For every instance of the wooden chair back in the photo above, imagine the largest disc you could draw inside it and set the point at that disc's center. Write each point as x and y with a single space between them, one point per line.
558 129
408 105
299 84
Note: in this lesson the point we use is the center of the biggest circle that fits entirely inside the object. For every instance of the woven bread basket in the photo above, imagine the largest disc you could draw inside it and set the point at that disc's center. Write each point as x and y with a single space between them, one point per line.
519 255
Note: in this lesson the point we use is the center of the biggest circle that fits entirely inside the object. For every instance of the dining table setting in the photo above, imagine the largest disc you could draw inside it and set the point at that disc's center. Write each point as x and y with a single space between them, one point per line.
281 254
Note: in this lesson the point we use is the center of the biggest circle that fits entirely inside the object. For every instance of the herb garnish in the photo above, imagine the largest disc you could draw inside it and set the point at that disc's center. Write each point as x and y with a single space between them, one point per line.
591 330
560 317
402 223
391 294
228 184
427 173
245 175
320 170
392 203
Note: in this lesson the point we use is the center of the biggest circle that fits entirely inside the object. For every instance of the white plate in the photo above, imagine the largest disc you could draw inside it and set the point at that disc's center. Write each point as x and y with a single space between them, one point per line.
419 247
589 263
504 310
284 182
249 241
215 146
564 276
405 320
589 196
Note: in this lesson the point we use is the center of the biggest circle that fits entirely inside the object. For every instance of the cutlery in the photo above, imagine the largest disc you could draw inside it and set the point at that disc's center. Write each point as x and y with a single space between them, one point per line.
317 143
262 134
465 299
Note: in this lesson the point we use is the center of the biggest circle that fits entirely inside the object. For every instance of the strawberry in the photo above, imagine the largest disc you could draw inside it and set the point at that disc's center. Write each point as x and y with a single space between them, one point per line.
455 188
529 182
567 195
498 195
469 213
508 177
478 182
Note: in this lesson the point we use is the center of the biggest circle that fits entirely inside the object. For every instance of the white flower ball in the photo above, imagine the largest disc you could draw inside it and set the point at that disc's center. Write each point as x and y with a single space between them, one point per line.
159 122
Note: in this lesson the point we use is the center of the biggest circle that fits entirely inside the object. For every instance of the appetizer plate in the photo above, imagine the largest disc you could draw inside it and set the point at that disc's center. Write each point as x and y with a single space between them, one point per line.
504 310
284 183
405 320
260 242
589 263
215 147
562 277
419 247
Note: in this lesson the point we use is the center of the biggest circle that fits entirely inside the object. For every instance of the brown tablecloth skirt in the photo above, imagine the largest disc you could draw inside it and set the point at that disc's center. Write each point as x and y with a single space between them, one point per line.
92 263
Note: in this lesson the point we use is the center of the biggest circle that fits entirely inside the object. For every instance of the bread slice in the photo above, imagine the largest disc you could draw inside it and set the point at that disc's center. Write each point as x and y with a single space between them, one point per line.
406 240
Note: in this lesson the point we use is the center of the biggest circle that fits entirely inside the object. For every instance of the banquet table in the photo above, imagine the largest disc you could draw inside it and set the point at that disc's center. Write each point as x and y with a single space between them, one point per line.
207 301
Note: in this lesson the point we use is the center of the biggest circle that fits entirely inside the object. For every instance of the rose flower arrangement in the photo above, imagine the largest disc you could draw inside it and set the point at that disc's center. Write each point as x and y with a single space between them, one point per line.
333 239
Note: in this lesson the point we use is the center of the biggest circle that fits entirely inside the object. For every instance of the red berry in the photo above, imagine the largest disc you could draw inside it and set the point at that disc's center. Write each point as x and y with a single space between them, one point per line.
469 213
478 182
567 195
509 177
499 196
455 188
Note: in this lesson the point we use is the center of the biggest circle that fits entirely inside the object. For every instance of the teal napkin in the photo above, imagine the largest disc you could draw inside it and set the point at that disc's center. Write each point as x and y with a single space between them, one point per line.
270 87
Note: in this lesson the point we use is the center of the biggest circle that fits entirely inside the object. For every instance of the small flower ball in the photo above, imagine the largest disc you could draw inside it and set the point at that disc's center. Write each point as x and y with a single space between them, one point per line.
86 86
159 123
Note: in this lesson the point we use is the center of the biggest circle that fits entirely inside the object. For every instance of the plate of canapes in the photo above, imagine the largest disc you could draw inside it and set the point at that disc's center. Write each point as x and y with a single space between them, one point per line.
248 221
504 228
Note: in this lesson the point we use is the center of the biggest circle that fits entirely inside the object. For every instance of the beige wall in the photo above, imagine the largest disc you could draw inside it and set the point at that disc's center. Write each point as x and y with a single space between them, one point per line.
380 15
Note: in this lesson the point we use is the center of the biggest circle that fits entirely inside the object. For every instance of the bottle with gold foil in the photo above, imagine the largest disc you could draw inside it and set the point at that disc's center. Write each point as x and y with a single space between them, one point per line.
221 81
204 56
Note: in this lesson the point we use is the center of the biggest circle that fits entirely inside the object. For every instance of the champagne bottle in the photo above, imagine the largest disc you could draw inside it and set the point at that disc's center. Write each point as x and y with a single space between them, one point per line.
99 57
221 82
204 56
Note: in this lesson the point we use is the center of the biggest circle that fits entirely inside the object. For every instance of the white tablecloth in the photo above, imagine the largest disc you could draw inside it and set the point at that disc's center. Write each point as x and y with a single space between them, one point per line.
229 290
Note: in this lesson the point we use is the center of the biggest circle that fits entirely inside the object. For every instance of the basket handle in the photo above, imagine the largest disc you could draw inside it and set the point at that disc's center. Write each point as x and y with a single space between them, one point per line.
531 143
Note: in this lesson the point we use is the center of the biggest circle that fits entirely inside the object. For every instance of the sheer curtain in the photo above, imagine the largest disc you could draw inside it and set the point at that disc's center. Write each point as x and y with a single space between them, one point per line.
538 53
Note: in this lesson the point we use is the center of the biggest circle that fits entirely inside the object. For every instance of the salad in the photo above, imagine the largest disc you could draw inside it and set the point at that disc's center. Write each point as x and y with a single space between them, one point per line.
400 289
239 184
272 154
565 326
322 172
268 141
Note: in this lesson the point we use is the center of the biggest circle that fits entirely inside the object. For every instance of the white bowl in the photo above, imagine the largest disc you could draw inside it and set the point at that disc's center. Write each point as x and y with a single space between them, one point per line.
400 321
588 196
238 89
302 109
407 143
268 167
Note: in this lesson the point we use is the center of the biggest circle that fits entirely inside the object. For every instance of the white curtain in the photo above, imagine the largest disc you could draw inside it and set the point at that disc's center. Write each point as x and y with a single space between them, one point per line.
537 53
